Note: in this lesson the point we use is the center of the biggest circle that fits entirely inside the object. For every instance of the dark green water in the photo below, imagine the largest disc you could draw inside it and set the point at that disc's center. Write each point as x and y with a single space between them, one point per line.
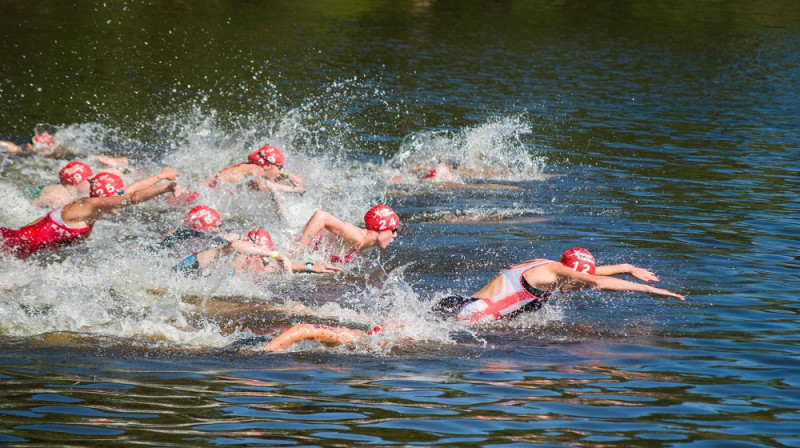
673 127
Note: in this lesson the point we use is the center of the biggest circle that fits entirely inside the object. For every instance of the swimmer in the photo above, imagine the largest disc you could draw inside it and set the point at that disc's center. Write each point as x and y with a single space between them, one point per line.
527 286
520 288
73 222
254 254
45 144
440 172
73 184
446 176
42 143
264 170
201 228
381 229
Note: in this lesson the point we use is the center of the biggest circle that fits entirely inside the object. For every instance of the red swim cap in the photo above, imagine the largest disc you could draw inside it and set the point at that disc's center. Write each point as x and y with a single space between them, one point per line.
266 155
579 259
105 185
261 237
202 217
380 218
75 173
44 139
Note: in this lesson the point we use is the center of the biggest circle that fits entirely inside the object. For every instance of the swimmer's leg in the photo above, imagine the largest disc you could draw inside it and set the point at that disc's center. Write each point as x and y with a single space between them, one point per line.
450 306
324 334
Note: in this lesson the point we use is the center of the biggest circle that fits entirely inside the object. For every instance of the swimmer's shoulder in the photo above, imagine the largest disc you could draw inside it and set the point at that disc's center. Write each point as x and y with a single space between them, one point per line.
541 261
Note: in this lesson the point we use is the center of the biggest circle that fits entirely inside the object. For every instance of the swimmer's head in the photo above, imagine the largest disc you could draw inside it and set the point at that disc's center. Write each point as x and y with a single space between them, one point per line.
261 238
579 259
440 172
202 217
380 218
43 140
105 184
75 173
267 155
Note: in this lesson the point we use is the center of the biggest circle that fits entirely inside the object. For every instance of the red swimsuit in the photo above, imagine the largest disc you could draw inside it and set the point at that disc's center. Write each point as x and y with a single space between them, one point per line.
47 233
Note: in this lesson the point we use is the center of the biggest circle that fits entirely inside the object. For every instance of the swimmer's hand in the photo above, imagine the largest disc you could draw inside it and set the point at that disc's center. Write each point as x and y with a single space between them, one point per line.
175 188
169 174
295 180
325 269
663 293
287 265
643 274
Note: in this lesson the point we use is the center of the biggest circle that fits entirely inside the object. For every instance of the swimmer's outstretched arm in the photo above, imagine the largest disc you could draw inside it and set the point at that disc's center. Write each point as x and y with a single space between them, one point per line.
10 147
90 209
275 187
315 268
604 283
112 162
615 284
324 334
165 174
248 248
614 269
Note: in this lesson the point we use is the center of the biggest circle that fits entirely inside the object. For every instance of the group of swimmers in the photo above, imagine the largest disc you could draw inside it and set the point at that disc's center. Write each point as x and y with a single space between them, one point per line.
74 215
522 287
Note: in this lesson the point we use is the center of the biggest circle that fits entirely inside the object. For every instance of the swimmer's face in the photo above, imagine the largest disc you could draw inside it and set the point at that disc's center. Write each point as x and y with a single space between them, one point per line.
386 237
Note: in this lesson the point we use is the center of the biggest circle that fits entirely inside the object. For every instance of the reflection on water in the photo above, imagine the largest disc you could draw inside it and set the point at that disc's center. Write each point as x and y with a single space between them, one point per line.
437 395
661 135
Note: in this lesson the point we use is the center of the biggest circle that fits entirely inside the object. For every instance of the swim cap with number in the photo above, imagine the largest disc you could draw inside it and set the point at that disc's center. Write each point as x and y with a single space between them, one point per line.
105 185
579 259
75 173
261 237
202 217
380 218
266 155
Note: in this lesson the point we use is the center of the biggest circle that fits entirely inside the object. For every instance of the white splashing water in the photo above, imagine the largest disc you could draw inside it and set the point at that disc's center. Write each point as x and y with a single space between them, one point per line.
491 150
111 286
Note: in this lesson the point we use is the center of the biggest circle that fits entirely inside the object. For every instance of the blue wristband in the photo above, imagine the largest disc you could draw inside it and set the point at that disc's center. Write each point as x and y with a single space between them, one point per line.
308 267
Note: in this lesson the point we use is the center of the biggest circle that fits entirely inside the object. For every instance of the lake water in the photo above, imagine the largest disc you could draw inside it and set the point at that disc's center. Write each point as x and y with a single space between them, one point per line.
662 134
